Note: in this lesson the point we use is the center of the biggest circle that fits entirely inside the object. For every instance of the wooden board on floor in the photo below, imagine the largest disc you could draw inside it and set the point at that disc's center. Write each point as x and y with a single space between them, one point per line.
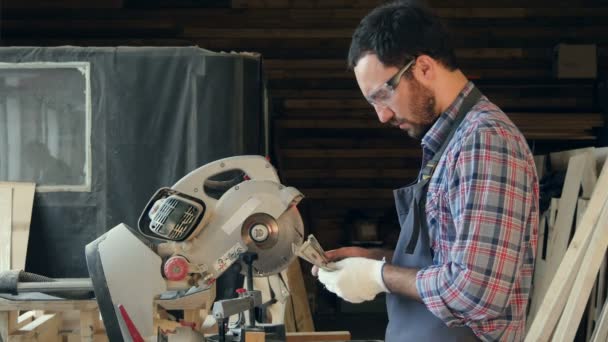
318 336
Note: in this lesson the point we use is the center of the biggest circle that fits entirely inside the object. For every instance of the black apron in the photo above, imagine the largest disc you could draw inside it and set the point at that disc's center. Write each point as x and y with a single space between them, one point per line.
410 320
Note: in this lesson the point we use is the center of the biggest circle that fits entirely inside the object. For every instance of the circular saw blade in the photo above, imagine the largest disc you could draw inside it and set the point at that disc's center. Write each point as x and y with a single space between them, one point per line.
276 258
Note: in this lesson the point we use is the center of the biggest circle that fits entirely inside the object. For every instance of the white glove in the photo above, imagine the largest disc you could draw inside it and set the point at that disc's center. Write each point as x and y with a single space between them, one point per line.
355 280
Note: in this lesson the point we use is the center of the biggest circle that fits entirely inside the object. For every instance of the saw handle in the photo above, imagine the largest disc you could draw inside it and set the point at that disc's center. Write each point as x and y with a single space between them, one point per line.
255 167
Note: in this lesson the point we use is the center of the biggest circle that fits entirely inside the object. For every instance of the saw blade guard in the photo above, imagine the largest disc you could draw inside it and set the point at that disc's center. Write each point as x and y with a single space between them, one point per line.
254 216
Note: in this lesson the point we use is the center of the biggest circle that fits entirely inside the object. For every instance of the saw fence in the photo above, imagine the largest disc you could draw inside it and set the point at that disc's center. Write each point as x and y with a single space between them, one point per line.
570 272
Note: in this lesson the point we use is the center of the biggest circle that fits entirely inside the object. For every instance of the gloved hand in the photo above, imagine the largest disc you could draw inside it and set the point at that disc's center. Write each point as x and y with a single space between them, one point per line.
356 279
343 253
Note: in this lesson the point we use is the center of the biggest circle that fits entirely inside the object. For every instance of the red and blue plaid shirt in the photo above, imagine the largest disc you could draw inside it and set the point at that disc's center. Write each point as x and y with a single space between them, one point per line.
482 214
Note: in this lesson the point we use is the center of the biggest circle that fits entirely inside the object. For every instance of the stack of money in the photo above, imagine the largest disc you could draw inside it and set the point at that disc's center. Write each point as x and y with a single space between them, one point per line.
312 252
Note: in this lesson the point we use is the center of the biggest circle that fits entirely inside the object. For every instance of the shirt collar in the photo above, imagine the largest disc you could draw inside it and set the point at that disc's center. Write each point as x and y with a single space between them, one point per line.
434 138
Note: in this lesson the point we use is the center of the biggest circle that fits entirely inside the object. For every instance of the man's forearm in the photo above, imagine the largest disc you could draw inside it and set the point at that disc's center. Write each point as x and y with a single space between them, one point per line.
401 281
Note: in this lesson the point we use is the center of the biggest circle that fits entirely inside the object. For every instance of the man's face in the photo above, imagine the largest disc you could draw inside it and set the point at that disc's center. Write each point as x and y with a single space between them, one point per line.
411 107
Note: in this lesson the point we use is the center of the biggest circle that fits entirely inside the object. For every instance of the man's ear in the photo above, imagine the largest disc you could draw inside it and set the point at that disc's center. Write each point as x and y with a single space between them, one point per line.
425 69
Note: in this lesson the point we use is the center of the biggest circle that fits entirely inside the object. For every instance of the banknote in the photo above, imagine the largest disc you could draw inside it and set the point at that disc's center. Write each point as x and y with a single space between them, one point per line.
312 252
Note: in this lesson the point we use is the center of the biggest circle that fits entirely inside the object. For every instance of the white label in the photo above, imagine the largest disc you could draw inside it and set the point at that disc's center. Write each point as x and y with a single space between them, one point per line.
229 257
236 220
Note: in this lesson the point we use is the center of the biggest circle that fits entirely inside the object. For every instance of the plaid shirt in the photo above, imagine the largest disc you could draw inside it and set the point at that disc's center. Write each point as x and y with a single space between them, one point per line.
482 214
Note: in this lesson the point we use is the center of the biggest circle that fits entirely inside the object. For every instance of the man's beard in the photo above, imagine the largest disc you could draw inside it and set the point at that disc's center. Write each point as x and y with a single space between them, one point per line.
422 107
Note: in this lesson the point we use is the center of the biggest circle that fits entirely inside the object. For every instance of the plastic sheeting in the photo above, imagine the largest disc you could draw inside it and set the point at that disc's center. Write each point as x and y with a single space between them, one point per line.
156 114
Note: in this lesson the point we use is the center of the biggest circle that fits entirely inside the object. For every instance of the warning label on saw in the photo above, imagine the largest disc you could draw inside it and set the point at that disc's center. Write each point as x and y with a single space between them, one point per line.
229 257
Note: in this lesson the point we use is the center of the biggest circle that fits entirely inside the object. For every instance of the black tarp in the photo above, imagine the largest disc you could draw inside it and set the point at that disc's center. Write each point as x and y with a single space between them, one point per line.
156 114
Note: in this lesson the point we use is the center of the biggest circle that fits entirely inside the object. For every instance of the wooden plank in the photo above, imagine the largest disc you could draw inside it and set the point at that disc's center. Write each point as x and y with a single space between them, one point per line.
474 69
498 6
4 326
100 337
304 4
559 160
65 4
43 329
330 124
25 319
540 262
6 219
8 324
58 305
589 176
275 312
300 308
318 336
600 298
345 17
195 316
297 48
23 201
597 293
293 141
592 305
92 24
277 33
89 324
351 173
255 336
509 102
345 153
585 278
547 222
405 163
530 123
600 334
558 240
548 314
348 193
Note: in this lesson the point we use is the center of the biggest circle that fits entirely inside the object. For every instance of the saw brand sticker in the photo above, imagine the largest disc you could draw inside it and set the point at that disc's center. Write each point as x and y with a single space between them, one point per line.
229 257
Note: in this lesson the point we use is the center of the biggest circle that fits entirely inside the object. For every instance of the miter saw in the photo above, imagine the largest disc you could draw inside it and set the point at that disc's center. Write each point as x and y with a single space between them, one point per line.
187 236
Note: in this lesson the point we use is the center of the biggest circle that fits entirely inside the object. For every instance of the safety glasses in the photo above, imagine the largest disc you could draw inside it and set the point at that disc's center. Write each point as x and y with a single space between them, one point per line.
383 94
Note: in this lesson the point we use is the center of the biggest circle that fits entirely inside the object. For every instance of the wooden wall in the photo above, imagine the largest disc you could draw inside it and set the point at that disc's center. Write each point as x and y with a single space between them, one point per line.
327 140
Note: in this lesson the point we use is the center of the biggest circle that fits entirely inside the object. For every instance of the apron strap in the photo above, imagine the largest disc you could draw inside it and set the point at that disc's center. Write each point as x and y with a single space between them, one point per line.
426 173
467 104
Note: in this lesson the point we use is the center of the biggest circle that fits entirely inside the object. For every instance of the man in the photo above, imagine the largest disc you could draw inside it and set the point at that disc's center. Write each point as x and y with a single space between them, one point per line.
463 264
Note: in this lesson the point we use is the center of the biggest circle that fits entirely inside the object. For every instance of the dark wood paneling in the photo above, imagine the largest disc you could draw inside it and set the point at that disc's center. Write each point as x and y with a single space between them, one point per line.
328 142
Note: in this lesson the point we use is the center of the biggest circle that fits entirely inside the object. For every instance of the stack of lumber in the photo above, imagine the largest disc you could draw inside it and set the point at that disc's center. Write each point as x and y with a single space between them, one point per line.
570 271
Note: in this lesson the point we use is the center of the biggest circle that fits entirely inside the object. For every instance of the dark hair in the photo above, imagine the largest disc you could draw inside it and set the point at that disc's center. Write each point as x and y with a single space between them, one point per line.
399 31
